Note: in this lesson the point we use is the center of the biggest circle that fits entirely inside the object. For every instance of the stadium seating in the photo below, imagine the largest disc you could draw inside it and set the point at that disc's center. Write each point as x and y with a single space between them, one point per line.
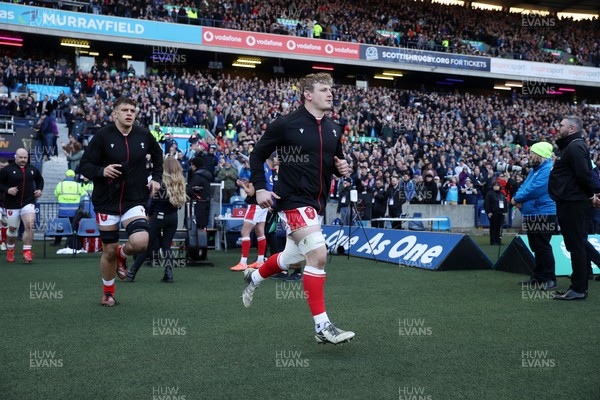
442 225
88 228
416 225
57 227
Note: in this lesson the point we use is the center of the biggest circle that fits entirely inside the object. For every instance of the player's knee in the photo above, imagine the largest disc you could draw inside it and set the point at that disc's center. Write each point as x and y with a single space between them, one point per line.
139 242
138 225
312 241
109 250
317 258
109 237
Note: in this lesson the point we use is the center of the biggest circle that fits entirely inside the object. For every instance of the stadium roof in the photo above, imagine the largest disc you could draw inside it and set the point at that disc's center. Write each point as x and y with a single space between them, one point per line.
574 6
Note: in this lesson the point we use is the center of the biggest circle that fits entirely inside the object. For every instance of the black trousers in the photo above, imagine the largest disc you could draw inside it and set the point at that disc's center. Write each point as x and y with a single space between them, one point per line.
377 214
496 222
202 212
161 229
574 228
540 229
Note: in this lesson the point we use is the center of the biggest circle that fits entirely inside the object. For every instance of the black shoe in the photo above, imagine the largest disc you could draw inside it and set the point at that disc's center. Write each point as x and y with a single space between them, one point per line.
548 285
279 277
168 277
296 276
570 295
130 277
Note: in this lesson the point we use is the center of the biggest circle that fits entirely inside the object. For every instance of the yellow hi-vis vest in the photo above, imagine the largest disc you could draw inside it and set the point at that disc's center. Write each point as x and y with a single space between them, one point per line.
158 135
68 193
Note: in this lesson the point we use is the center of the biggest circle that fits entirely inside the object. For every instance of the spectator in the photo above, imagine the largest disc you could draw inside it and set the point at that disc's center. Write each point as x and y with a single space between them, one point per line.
495 208
73 151
229 176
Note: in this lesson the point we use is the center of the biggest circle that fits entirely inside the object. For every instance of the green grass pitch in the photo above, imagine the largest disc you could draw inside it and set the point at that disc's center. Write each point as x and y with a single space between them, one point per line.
419 335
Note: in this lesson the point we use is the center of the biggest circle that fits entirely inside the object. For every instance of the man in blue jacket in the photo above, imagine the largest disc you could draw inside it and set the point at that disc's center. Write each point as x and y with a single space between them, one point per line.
539 216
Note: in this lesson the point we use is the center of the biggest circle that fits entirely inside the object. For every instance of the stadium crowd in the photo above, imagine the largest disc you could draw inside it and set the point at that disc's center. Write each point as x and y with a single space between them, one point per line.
437 27
403 134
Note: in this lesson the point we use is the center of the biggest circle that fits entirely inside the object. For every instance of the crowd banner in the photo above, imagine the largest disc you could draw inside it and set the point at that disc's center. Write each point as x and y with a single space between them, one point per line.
427 250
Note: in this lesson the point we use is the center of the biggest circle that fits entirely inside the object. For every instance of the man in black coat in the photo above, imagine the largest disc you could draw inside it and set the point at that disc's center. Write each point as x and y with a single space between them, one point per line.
572 188
396 197
198 190
379 203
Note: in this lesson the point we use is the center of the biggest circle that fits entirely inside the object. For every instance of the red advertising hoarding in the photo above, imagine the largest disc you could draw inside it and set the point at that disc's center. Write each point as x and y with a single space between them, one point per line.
279 43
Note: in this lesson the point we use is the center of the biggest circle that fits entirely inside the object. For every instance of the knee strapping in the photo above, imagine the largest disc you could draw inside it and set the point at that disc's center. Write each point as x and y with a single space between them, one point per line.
109 237
290 255
12 232
311 242
139 225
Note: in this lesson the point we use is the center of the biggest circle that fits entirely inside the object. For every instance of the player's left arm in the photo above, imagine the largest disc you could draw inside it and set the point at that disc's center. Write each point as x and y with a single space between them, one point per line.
39 183
156 155
342 168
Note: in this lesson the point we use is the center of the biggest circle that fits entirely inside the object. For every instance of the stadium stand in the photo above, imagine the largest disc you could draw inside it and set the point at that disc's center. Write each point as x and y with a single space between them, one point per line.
439 27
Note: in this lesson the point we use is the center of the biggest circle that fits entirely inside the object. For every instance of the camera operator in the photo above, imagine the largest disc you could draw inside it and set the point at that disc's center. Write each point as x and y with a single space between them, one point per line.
344 201
379 203
198 190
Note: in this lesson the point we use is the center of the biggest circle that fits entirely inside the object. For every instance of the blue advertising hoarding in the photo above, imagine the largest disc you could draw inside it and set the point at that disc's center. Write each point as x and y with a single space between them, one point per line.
562 257
69 21
428 250
405 56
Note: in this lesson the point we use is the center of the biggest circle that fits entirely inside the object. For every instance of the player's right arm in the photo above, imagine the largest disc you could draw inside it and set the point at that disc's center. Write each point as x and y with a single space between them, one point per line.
90 165
274 136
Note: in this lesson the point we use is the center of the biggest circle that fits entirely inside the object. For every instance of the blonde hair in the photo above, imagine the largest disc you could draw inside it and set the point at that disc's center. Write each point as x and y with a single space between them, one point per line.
308 82
174 182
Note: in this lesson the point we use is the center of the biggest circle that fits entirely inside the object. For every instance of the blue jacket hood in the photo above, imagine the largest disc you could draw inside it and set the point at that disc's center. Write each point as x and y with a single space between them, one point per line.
533 193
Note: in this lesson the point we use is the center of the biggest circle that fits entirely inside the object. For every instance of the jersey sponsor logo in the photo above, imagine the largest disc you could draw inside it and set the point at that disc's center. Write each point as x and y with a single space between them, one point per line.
310 212
301 130
334 133
112 145
142 144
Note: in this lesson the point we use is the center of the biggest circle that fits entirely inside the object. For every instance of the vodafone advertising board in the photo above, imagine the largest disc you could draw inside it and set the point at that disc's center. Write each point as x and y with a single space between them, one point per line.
279 43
